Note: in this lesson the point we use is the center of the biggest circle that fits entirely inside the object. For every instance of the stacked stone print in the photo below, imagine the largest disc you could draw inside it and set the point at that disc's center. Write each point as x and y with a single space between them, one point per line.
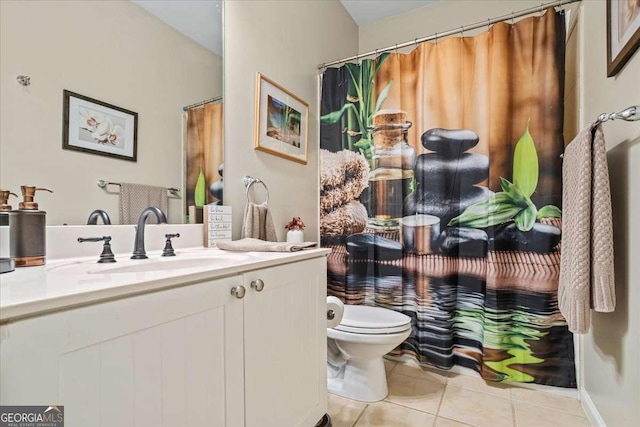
487 135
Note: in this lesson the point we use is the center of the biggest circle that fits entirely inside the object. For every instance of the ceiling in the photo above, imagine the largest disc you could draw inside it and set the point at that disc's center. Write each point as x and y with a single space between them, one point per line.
193 18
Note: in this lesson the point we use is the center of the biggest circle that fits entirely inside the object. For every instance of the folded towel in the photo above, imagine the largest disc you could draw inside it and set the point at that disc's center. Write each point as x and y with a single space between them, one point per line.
257 245
258 223
586 260
134 198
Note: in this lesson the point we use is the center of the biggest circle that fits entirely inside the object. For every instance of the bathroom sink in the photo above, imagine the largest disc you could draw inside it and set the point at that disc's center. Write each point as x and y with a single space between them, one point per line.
175 264
124 265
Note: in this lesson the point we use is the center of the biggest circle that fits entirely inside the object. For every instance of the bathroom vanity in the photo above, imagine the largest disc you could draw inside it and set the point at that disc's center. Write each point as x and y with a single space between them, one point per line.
208 338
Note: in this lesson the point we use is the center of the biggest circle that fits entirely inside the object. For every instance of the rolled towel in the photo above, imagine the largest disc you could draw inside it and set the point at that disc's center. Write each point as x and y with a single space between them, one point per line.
257 245
345 220
343 177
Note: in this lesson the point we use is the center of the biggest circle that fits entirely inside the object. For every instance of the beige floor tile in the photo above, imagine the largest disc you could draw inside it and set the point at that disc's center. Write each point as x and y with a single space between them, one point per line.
477 409
548 400
344 412
385 414
388 366
446 422
537 416
478 384
414 393
415 371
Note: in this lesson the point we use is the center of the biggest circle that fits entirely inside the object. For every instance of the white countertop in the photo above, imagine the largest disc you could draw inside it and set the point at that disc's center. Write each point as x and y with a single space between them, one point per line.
66 283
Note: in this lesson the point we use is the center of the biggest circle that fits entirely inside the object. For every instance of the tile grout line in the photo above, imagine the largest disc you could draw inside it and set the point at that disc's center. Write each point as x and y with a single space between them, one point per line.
444 390
548 408
513 411
480 391
360 415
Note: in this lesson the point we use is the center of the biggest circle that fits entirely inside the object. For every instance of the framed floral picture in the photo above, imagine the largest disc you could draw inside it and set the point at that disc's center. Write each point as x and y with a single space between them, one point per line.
281 121
95 127
623 33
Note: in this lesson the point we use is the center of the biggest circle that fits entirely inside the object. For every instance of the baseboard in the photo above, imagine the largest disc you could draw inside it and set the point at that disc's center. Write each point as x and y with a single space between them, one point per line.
590 409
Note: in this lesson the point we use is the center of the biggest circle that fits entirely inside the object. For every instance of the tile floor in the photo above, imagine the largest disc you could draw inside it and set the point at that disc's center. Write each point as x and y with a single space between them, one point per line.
431 398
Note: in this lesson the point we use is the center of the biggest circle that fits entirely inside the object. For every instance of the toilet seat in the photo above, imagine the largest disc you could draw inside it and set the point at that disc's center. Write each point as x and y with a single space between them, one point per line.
382 320
361 319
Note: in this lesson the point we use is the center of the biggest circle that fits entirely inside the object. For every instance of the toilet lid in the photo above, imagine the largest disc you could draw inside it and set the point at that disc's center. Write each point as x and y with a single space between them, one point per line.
364 319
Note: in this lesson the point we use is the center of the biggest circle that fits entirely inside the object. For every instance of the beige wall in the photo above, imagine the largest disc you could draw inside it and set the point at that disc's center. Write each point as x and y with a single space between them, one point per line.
113 51
611 352
285 41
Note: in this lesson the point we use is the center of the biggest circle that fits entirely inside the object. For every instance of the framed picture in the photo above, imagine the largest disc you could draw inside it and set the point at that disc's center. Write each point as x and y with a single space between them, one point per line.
623 33
281 126
95 127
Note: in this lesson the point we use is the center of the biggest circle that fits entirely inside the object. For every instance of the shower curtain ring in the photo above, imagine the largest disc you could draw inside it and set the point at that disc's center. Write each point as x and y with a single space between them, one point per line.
436 38
462 30
513 18
488 23
396 48
416 42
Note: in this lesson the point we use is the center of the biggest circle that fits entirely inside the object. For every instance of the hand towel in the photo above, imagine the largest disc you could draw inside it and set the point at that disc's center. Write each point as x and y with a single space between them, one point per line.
258 223
586 260
134 198
257 245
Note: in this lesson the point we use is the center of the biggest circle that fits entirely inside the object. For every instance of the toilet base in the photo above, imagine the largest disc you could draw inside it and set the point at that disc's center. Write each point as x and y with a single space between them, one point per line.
362 380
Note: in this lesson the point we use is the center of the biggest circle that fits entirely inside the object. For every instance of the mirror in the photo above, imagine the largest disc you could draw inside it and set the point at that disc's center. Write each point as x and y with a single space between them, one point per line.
150 57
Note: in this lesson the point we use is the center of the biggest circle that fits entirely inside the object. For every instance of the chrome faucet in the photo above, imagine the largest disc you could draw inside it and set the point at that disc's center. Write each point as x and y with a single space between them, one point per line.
138 249
98 213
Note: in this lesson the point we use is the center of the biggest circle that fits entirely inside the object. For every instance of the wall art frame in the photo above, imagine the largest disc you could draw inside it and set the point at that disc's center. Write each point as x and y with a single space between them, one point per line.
95 127
281 121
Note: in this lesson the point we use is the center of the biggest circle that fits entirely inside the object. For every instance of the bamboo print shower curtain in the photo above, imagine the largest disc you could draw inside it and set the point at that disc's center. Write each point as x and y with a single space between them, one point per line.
204 155
441 197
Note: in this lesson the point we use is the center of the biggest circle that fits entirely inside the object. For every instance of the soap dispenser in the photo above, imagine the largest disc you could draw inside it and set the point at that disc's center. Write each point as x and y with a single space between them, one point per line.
28 230
6 257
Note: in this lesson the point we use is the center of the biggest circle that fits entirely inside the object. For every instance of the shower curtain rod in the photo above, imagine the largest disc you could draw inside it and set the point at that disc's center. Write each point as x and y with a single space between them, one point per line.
198 104
458 30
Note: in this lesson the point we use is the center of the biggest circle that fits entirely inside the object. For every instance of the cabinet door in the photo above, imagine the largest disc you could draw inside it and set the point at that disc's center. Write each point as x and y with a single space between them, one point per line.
151 360
285 345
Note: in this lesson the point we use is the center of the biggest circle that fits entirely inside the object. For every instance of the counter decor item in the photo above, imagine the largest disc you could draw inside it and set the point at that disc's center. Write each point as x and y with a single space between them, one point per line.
281 121
95 127
27 229
294 230
623 33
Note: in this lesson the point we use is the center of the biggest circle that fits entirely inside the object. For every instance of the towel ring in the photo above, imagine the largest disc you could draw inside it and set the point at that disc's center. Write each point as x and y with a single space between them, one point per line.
249 181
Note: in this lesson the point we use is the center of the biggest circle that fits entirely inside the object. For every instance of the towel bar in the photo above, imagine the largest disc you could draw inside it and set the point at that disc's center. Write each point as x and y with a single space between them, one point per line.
102 184
249 181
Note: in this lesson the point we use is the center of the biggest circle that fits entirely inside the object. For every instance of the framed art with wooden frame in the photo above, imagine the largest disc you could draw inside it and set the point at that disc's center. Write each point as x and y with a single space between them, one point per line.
623 33
281 121
95 127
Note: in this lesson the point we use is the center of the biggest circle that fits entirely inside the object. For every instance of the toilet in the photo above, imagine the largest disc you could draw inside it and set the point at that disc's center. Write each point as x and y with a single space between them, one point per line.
355 347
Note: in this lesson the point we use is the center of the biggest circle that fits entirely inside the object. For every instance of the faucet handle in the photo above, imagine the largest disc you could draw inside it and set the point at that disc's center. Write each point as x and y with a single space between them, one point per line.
107 254
168 249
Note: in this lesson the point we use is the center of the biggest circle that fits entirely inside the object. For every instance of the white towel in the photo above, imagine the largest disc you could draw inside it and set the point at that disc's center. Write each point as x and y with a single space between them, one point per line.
256 245
257 223
134 198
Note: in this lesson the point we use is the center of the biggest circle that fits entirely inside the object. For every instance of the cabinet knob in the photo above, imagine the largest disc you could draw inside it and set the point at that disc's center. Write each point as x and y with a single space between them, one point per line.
238 291
258 285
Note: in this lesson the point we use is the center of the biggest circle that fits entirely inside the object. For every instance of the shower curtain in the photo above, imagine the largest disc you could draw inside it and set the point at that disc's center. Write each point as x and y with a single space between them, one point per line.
472 253
204 155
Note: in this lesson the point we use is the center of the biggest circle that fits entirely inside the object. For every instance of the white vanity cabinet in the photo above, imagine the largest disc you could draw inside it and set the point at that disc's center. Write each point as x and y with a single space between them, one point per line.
285 345
194 355
150 360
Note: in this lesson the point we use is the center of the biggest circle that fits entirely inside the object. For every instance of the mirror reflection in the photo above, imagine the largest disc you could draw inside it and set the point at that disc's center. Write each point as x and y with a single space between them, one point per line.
161 60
